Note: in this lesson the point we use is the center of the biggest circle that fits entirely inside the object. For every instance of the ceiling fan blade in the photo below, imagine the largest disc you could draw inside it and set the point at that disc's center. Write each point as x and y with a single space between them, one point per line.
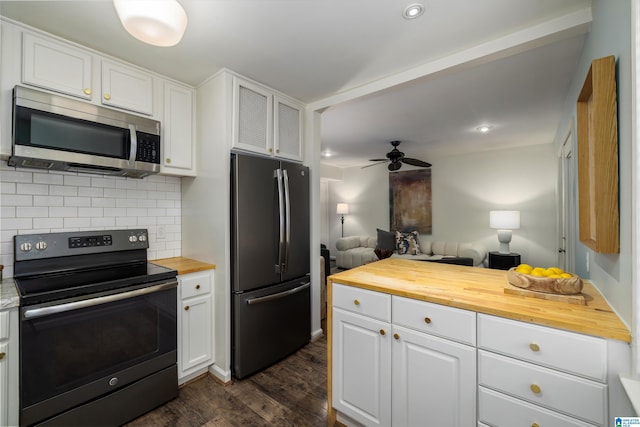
416 162
373 164
378 160
394 166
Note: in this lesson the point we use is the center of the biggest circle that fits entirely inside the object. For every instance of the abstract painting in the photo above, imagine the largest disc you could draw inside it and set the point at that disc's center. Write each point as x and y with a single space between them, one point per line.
410 201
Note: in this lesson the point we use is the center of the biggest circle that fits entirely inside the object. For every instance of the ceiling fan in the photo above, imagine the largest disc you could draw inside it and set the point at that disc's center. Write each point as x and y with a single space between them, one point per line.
396 157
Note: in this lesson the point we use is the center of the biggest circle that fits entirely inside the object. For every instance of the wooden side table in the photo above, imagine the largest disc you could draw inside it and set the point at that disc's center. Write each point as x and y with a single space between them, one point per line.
501 261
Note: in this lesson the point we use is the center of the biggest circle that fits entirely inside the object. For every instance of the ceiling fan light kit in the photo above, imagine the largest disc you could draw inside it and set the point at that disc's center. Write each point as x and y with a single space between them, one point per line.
397 157
156 22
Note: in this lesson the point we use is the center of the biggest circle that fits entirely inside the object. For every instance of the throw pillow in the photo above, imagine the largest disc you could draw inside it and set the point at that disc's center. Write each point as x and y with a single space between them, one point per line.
407 243
386 240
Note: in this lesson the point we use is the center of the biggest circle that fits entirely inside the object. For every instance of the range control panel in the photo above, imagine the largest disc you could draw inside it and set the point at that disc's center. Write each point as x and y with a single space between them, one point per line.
52 245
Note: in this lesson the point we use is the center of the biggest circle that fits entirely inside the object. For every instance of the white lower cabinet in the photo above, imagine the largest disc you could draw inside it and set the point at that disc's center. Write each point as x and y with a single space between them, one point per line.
535 375
9 367
386 374
195 324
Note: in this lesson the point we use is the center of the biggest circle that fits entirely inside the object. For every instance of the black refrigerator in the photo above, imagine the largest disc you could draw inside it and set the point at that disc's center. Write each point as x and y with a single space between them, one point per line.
271 287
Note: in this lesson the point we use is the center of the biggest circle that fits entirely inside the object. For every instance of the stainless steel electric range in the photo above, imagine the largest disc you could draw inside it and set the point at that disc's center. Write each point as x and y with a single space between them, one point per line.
98 328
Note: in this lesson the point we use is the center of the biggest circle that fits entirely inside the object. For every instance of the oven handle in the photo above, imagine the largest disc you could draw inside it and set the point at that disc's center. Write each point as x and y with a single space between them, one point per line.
278 295
61 308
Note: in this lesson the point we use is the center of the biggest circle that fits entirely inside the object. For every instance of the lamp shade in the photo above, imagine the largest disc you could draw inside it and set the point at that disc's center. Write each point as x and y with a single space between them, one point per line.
156 22
342 209
504 220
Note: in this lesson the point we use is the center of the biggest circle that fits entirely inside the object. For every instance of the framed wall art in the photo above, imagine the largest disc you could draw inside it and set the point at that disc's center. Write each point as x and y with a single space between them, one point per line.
410 201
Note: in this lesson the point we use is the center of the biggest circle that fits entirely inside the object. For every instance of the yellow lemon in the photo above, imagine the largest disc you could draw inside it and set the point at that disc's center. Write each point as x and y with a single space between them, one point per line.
555 270
565 275
538 271
524 269
525 266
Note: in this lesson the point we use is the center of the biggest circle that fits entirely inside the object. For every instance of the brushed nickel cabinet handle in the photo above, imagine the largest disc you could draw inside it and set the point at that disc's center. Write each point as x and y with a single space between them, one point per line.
534 347
107 96
427 320
535 388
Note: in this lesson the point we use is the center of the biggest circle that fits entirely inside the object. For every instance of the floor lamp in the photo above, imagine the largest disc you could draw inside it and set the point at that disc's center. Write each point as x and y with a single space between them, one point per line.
342 210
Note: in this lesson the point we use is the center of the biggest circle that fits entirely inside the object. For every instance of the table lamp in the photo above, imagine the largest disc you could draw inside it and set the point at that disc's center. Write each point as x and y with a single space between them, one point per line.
504 221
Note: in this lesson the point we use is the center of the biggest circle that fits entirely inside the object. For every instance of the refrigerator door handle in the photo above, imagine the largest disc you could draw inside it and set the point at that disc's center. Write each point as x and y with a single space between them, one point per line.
278 176
279 295
287 210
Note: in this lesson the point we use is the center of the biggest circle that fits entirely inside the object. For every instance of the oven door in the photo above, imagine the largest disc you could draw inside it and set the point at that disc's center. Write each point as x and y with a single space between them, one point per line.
73 351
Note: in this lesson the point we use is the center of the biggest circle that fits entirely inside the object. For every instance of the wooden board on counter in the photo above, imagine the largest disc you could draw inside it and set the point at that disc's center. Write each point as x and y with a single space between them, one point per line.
483 290
184 265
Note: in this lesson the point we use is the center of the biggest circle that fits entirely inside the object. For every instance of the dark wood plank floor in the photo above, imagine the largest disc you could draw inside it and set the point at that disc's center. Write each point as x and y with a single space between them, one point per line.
292 392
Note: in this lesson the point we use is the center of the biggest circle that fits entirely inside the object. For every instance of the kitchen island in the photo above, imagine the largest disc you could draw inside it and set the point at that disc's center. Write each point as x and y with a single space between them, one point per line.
452 334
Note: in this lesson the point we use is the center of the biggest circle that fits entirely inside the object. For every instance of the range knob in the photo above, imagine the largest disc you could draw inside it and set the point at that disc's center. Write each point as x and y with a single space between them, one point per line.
26 247
41 245
142 238
133 239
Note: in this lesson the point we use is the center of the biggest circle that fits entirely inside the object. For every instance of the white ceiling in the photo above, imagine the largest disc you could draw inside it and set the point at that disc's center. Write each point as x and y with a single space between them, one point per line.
506 63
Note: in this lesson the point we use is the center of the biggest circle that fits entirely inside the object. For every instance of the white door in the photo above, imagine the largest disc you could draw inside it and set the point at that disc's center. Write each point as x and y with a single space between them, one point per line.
567 214
361 377
434 380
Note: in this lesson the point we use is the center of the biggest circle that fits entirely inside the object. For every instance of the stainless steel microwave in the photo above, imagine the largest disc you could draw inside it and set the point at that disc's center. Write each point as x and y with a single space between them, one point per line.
58 133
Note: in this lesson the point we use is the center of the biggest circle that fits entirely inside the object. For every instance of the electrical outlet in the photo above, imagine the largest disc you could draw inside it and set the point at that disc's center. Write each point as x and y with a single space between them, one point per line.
161 232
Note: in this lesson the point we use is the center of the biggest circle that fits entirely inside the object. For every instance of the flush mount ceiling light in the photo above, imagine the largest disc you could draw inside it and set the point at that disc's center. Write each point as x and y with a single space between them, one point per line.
483 128
156 22
413 11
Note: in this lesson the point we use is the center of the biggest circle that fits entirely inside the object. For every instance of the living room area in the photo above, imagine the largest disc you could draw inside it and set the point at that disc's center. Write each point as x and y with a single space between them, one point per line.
465 187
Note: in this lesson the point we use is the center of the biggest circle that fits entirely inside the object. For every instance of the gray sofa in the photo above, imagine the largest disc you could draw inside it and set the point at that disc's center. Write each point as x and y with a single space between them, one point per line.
353 251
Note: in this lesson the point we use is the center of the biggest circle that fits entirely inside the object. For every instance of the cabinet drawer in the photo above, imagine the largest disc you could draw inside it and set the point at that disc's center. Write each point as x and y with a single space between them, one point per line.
497 409
4 325
362 301
554 390
440 320
545 346
194 284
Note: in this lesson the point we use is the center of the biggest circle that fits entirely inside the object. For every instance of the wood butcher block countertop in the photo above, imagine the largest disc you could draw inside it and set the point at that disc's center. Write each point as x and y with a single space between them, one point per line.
482 290
184 265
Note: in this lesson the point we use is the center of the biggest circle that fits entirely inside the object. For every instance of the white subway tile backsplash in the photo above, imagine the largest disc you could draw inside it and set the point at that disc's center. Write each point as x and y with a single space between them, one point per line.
46 202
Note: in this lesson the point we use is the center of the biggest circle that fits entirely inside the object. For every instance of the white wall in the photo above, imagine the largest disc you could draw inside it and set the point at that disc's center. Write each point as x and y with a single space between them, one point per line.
610 35
44 202
465 188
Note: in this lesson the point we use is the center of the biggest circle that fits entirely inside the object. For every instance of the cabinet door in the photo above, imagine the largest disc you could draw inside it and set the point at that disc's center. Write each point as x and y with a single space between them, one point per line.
434 380
288 129
4 383
252 117
177 134
127 88
196 333
361 377
56 66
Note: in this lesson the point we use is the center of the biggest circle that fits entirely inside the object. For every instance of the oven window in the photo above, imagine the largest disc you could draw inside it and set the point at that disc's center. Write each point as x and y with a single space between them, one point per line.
64 351
48 130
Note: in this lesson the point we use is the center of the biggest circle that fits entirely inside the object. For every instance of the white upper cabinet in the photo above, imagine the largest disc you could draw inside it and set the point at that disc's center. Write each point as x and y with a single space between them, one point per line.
126 87
52 65
177 133
288 129
252 117
265 122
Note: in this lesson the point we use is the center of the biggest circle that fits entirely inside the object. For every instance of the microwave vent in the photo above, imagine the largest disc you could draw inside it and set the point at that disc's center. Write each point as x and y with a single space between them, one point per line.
32 163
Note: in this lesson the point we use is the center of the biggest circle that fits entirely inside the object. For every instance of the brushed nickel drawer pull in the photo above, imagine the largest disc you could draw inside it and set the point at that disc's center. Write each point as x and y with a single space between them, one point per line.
534 347
535 388
427 320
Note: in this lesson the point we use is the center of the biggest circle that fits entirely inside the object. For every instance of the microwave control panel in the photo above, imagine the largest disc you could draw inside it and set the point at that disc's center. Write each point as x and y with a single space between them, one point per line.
148 148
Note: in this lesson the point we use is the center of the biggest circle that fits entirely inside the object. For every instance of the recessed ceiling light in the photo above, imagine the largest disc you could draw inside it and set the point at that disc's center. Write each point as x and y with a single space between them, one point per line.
483 128
326 153
413 11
